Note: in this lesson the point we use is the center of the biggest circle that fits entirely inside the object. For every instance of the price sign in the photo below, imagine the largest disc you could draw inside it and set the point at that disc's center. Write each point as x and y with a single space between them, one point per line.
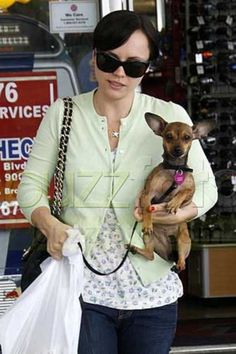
24 99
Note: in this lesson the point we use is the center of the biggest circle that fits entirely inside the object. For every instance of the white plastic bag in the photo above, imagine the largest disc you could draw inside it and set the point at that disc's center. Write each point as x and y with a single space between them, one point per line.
46 317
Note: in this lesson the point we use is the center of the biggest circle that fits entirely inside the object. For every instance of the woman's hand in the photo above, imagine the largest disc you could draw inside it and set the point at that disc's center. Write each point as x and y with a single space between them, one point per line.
158 209
56 236
52 228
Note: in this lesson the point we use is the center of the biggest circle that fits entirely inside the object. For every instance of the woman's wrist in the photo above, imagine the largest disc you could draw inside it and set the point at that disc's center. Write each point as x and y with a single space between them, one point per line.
43 220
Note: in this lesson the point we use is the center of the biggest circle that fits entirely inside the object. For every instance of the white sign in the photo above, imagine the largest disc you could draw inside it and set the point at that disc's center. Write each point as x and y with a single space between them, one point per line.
73 16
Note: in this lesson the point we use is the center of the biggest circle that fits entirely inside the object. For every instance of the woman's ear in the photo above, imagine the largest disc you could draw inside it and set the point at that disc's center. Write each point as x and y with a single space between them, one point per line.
93 56
92 66
148 69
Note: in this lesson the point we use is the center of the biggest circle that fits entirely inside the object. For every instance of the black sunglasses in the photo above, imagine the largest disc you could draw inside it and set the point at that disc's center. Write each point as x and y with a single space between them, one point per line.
133 68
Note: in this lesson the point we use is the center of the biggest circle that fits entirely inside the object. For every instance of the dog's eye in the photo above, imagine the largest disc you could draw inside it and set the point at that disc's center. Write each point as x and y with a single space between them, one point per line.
169 136
187 137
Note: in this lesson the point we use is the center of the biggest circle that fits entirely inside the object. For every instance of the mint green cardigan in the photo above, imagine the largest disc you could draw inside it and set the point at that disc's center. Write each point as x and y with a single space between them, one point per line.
93 183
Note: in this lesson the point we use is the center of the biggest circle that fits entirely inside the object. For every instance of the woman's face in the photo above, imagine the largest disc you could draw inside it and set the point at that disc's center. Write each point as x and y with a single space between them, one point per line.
118 84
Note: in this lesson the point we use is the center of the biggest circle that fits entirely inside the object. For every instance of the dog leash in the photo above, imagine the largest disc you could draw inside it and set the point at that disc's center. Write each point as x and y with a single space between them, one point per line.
161 199
92 269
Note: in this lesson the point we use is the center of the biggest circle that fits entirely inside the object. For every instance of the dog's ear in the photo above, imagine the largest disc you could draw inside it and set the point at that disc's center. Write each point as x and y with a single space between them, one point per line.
156 123
202 128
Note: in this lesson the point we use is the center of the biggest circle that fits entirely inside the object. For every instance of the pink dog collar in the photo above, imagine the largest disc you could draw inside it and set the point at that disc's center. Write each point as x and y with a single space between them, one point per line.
179 177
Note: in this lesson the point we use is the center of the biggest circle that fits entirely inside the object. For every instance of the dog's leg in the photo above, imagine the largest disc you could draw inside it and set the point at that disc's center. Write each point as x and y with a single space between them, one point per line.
148 250
183 244
147 215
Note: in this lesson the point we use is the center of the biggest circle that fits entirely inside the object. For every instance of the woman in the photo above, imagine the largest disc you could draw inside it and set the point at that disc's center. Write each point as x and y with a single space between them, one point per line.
111 151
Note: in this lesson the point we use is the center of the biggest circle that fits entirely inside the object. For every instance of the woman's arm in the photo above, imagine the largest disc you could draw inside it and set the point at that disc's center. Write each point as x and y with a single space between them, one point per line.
160 215
33 190
204 198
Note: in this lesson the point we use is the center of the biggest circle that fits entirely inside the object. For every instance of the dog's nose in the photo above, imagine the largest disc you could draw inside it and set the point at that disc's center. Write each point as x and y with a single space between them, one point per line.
178 151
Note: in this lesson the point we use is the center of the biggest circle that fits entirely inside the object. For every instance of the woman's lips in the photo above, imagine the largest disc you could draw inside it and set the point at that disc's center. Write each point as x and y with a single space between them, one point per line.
115 85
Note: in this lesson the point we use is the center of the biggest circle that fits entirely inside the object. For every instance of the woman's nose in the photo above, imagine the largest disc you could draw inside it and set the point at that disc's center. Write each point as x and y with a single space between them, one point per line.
120 71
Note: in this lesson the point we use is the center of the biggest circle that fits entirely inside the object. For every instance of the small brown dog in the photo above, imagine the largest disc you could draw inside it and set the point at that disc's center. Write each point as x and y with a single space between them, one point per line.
171 182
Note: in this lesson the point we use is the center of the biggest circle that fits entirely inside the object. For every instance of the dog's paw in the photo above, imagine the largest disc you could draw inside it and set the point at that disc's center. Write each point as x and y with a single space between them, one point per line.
147 229
131 248
180 265
148 254
172 207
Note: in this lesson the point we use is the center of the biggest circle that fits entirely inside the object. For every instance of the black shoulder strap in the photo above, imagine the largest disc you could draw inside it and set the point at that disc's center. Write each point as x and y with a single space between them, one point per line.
56 206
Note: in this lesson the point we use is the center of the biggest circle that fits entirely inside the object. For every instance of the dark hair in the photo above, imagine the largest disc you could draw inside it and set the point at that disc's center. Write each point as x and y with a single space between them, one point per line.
114 29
